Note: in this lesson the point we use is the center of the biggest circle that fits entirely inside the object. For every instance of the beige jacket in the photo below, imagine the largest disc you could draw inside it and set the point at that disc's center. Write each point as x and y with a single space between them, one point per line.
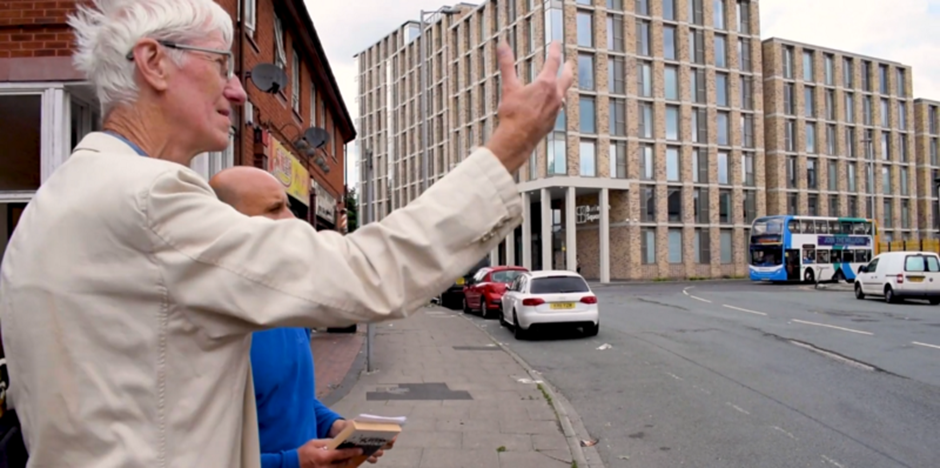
128 293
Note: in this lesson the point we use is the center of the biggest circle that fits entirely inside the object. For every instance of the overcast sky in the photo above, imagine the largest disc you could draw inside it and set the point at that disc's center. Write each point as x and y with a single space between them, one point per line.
897 30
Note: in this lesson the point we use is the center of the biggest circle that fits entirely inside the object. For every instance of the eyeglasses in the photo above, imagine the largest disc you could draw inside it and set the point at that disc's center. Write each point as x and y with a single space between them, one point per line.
226 65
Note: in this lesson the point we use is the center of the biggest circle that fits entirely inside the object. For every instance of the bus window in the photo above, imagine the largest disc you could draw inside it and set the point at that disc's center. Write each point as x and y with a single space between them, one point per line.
822 256
822 227
866 228
848 256
807 226
835 227
862 256
835 256
809 253
794 227
846 227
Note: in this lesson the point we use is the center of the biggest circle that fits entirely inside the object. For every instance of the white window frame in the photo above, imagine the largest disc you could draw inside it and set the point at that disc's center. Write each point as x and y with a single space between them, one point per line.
295 81
280 55
250 18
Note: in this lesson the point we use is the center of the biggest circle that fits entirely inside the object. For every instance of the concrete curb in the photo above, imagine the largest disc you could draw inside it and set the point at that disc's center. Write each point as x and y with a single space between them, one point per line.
571 425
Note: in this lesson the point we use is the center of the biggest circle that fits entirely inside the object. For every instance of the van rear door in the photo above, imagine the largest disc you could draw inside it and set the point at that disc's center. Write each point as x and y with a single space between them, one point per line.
921 272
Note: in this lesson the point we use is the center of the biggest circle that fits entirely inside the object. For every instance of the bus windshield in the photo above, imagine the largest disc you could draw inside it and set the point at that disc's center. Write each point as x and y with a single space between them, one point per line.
767 226
766 255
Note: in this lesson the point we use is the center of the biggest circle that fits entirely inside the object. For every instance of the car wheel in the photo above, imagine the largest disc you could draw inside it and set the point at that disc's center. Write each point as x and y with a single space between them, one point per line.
484 311
502 319
934 301
518 332
858 292
591 330
889 295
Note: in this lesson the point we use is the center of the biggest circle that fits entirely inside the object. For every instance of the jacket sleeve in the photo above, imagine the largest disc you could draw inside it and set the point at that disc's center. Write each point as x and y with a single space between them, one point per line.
285 459
233 274
325 419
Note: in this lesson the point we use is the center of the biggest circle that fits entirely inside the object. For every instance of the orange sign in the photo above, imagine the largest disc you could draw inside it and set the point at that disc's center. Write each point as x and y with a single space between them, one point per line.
290 172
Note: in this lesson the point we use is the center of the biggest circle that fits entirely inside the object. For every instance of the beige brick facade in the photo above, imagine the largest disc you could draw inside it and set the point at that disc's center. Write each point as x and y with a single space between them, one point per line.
927 147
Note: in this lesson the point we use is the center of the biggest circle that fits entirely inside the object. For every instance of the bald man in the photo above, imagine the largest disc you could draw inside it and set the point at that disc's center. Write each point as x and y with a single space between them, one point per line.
292 422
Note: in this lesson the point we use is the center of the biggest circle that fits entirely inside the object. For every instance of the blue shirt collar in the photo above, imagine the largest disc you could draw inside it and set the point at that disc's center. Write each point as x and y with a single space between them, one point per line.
133 145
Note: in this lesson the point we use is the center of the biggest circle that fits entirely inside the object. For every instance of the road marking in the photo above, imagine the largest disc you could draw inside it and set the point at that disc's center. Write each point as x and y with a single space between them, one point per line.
833 326
744 310
738 408
841 359
925 344
780 429
673 376
700 299
833 461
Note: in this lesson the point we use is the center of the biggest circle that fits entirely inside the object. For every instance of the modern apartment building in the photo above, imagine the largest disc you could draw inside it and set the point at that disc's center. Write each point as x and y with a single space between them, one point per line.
927 144
840 137
655 167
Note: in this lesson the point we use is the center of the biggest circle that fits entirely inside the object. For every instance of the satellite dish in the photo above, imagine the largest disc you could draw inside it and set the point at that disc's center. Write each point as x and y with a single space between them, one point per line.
316 136
268 78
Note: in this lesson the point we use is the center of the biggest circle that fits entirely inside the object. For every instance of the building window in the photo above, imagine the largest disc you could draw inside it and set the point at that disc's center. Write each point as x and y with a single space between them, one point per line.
674 205
618 117
902 116
885 146
791 172
788 62
747 130
671 74
886 181
884 113
724 207
699 125
811 173
615 33
902 83
747 94
250 14
280 53
721 49
718 8
700 205
700 166
883 78
586 72
648 201
866 110
672 123
902 146
724 238
696 12
313 104
669 10
646 120
888 221
850 142
672 165
588 159
789 137
533 166
853 206
646 162
833 175
833 205
642 7
791 203
830 104
744 16
831 140
585 29
697 85
851 177
903 174
675 246
723 134
586 115
866 76
828 69
723 168
618 160
812 205
810 137
697 45
848 73
648 247
808 72
789 104
702 248
616 75
643 37
849 107
721 89
645 79
809 101
744 54
747 169
295 81
750 206
557 154
669 42
905 214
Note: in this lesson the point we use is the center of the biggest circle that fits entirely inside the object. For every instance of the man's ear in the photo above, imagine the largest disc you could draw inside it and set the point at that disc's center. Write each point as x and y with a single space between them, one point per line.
153 63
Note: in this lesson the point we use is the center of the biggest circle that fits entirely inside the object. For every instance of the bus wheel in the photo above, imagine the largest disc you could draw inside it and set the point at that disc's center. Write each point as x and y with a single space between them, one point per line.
809 276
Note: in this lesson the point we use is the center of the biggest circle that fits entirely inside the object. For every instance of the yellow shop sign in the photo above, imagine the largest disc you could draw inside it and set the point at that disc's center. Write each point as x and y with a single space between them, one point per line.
290 172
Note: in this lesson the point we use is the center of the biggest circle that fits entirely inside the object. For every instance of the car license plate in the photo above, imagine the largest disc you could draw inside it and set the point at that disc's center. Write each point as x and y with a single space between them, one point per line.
562 305
459 281
916 279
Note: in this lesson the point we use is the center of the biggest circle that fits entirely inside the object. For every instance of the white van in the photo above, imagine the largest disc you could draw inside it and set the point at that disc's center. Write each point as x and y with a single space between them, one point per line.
900 275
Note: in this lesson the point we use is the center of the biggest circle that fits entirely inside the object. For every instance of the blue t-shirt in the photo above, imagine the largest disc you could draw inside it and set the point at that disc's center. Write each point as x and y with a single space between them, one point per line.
289 413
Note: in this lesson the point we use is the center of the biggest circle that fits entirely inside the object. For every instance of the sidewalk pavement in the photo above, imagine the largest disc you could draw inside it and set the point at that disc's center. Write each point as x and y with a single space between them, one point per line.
840 286
334 356
468 402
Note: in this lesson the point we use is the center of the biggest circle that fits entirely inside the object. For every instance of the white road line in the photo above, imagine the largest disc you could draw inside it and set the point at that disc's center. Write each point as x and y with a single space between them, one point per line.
738 408
833 462
833 326
925 344
780 429
673 376
744 310
700 299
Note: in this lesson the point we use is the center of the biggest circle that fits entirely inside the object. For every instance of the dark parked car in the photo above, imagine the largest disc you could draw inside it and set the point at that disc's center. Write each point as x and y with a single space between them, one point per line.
452 298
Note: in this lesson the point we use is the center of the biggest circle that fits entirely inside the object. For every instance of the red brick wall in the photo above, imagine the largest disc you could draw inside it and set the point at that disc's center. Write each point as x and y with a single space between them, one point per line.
34 29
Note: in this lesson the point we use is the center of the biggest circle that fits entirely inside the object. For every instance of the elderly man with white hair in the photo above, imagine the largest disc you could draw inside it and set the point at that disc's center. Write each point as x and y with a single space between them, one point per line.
128 292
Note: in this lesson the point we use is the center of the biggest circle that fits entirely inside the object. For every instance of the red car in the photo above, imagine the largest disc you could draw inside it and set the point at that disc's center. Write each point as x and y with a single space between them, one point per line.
484 292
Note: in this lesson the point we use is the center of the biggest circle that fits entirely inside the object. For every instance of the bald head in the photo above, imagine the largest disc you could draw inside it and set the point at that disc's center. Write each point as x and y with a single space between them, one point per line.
252 192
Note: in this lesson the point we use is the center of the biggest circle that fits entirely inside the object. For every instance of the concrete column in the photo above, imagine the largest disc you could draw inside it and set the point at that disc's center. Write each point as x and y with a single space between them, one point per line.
546 230
571 231
526 231
604 233
510 244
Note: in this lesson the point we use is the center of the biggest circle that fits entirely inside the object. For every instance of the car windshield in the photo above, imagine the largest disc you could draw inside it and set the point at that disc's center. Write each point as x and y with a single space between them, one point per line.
506 276
558 284
921 263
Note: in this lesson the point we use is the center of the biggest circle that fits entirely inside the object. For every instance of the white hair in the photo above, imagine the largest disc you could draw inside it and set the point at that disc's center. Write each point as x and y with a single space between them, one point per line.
106 33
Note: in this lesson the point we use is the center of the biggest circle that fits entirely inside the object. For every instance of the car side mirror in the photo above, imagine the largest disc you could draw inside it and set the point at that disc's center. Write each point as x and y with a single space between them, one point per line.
863 269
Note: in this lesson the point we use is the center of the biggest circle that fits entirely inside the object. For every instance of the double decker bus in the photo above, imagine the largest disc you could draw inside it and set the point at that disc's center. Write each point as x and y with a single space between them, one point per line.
810 248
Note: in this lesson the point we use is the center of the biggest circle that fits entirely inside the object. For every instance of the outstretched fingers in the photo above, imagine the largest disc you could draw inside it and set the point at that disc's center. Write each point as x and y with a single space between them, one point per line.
566 79
552 61
507 67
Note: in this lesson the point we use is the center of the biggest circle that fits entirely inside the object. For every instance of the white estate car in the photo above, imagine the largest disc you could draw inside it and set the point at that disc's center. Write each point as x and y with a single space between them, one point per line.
900 275
550 297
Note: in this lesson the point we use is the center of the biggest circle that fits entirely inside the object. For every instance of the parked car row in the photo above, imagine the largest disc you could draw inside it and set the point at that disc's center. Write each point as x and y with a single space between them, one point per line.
524 299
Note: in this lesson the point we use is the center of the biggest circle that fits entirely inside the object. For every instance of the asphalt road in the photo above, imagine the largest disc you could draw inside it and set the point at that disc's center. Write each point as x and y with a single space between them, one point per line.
735 374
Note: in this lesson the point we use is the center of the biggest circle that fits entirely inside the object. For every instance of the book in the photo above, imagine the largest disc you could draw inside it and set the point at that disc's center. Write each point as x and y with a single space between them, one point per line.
369 433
